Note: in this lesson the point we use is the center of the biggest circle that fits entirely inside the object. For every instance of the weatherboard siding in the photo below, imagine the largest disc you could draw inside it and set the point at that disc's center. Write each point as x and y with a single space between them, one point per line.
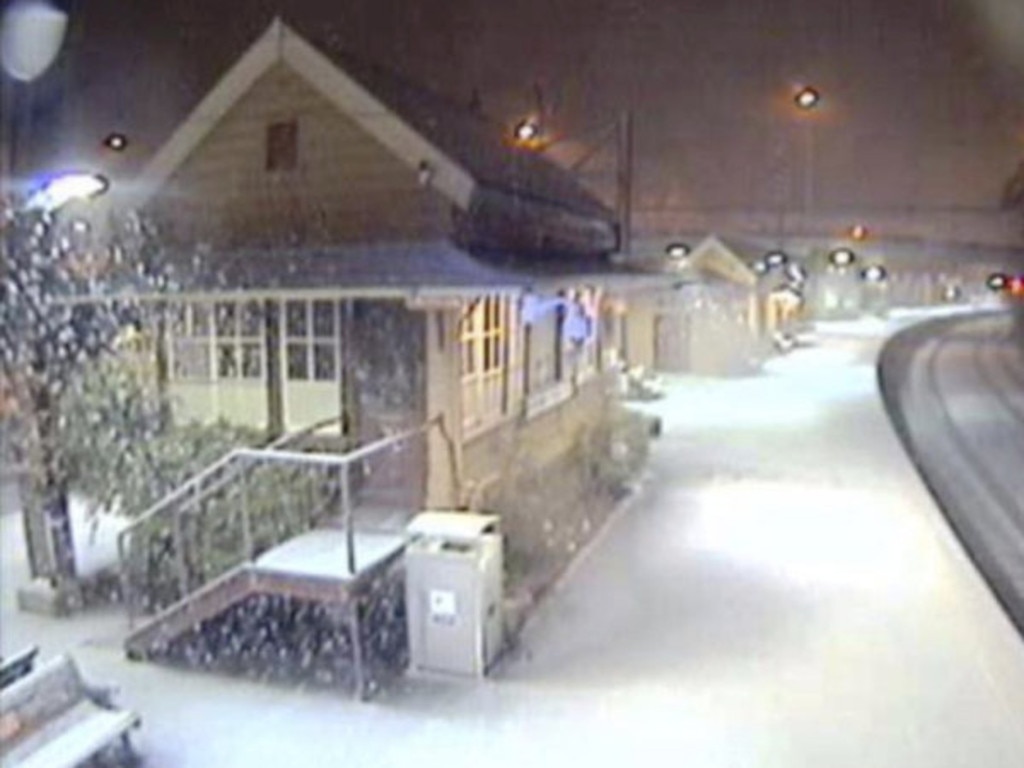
346 187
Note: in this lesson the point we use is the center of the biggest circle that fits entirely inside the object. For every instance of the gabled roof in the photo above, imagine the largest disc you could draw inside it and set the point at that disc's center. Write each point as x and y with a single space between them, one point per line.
729 259
421 128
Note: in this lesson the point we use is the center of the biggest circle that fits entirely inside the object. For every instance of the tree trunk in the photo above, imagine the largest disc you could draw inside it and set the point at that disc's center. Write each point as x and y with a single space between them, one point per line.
50 542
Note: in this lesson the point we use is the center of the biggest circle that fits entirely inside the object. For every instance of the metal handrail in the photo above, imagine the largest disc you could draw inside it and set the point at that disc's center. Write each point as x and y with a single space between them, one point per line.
188 486
251 456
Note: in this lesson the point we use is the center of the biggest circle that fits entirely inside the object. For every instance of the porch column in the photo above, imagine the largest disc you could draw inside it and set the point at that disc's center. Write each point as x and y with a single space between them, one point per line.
443 382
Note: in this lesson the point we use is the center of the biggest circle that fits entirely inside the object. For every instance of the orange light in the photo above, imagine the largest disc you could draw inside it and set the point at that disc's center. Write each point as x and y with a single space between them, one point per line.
807 98
858 232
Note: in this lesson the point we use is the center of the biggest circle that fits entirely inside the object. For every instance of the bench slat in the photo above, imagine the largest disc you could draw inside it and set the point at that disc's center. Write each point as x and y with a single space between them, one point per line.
81 741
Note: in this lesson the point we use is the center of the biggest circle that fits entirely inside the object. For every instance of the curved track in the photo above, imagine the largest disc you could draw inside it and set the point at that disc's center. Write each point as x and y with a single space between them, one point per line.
956 392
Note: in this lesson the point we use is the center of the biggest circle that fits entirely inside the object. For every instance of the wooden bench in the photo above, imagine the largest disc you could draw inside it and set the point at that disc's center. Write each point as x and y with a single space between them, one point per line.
52 719
17 666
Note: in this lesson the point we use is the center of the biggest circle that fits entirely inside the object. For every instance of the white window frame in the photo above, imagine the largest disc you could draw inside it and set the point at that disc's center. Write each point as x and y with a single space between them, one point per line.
488 349
311 341
201 339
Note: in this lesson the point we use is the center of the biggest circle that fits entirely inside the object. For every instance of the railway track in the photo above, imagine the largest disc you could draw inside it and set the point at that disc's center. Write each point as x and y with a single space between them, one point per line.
955 392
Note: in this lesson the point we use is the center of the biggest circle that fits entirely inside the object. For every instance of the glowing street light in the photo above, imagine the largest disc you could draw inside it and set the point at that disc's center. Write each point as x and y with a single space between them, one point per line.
776 258
858 232
677 250
997 282
527 131
61 190
842 257
874 274
116 142
807 98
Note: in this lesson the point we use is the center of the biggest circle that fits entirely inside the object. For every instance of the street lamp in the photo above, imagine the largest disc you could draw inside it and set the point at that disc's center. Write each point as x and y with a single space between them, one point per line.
677 250
527 131
874 274
842 257
807 98
63 189
116 142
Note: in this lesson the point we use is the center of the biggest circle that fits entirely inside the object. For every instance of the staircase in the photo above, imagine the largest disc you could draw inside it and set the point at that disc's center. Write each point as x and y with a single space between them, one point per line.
272 537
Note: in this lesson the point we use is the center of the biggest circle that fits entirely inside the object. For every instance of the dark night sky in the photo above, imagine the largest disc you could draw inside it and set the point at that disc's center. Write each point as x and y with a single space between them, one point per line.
925 98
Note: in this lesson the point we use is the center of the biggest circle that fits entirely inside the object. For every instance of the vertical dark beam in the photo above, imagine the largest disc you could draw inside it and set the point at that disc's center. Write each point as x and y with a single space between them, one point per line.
345 499
355 628
624 197
274 368
559 340
247 538
346 366
161 361
527 359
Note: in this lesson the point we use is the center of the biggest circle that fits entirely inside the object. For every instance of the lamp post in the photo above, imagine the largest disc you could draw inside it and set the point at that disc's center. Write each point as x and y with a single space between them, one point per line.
529 133
807 100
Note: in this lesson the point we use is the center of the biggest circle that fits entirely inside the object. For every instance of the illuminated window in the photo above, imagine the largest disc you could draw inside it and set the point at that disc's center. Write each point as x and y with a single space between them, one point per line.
282 146
488 353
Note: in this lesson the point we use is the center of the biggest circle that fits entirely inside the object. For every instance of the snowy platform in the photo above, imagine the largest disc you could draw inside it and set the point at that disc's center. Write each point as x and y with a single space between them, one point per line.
323 554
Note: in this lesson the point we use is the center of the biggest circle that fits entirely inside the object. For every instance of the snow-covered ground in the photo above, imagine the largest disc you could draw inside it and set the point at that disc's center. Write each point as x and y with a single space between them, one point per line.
781 592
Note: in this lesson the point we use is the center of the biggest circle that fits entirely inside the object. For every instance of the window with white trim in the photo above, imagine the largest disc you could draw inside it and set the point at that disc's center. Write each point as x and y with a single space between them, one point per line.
217 341
190 343
311 336
238 329
486 336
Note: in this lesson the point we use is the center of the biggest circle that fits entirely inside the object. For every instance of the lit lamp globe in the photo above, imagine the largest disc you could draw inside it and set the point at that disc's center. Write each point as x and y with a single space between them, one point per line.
841 257
527 131
807 98
874 274
30 39
677 251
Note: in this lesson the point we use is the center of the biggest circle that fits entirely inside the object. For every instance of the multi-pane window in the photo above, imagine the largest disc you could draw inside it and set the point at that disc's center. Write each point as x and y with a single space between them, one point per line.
238 328
190 342
485 336
221 340
311 330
